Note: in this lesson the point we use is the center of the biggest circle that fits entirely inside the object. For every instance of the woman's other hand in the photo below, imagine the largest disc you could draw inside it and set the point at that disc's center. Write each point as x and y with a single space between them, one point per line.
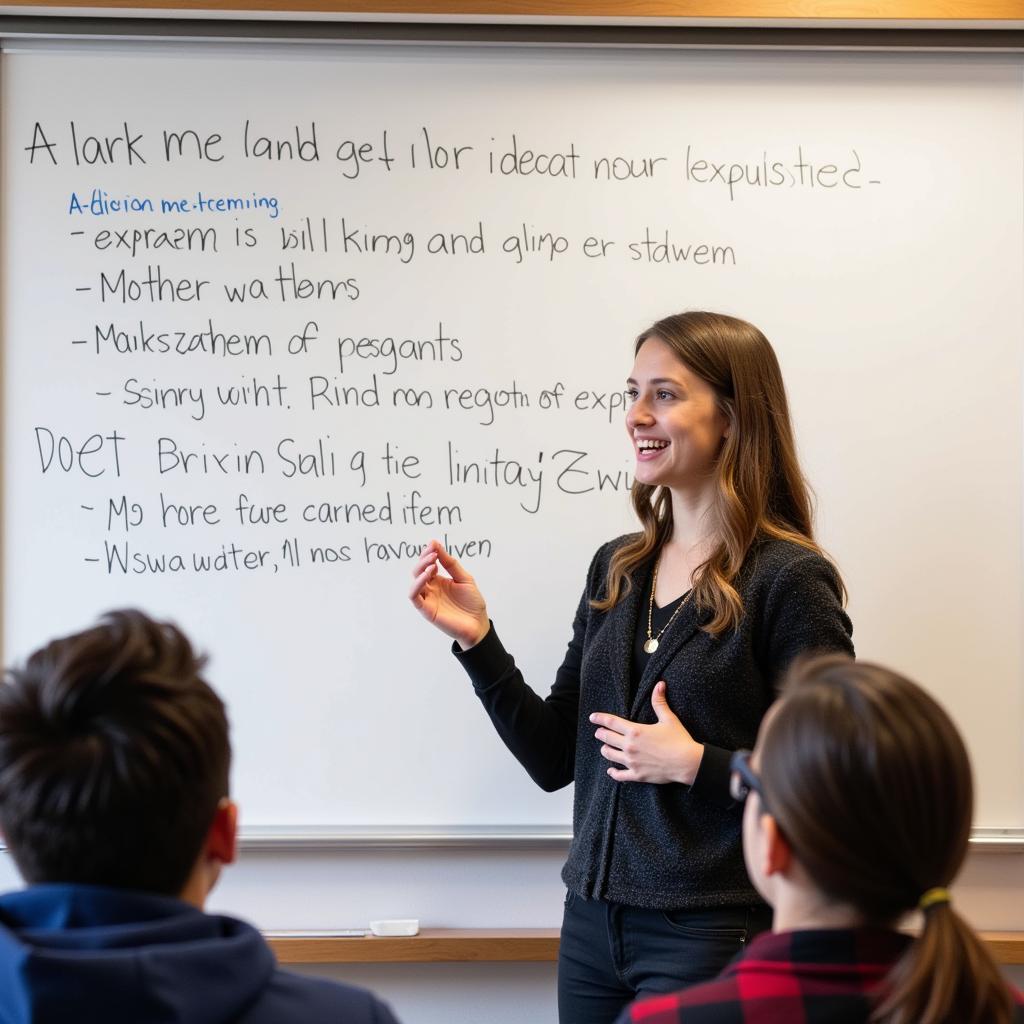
659 753
451 602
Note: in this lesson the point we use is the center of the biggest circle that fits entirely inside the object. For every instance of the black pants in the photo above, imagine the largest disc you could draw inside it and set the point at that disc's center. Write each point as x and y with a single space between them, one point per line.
611 954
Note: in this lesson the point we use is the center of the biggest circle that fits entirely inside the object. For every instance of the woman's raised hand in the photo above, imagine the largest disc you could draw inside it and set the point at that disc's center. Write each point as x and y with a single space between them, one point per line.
451 602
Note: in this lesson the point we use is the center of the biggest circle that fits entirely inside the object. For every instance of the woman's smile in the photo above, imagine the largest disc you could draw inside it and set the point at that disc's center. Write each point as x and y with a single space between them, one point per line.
673 420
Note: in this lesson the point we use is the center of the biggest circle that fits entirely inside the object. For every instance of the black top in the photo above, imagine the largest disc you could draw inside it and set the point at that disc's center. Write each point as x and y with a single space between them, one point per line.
662 846
661 619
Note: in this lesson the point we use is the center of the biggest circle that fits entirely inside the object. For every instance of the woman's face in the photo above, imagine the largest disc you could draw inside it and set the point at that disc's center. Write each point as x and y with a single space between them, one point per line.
673 420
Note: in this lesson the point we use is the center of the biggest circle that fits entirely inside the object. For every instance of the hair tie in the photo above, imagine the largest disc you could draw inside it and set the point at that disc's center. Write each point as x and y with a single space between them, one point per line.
933 898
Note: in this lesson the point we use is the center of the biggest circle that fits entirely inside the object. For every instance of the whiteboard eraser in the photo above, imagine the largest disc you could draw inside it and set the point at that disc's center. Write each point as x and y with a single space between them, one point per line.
401 926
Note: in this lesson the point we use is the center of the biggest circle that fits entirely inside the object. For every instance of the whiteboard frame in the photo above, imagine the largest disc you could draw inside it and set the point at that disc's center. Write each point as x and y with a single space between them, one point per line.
270 838
977 37
813 34
926 13
287 839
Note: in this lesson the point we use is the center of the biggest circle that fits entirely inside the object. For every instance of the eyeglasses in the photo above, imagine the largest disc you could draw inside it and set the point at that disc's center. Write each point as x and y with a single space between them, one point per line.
744 779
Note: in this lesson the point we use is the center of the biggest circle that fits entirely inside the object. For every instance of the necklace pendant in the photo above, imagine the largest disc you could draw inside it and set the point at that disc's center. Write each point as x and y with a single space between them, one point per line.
651 646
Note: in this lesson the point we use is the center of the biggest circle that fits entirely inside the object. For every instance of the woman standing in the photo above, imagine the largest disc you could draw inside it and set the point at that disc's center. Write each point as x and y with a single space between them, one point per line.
679 639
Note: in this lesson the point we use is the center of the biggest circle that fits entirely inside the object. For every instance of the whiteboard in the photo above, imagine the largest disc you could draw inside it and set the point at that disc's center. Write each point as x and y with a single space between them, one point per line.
511 219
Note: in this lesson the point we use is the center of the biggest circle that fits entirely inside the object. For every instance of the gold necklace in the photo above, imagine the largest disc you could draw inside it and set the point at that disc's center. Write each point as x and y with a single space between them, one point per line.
653 641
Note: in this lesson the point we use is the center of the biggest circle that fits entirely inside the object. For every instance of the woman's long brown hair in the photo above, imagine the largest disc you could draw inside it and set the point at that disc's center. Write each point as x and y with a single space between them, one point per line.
870 783
760 492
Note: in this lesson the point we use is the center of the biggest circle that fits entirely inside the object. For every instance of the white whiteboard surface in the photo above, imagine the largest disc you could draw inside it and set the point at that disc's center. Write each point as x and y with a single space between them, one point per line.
896 308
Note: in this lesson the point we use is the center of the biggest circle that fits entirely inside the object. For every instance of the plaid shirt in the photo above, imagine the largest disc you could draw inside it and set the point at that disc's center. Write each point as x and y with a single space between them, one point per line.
810 977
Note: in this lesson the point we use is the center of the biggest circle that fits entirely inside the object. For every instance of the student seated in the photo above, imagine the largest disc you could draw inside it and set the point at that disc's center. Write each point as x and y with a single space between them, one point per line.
858 811
114 760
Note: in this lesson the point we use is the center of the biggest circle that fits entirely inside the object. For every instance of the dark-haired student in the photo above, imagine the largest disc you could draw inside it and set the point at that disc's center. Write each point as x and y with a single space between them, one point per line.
114 759
858 812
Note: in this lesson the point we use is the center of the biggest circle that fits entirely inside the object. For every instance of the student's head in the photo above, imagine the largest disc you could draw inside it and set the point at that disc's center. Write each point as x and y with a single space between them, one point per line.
114 760
728 426
863 805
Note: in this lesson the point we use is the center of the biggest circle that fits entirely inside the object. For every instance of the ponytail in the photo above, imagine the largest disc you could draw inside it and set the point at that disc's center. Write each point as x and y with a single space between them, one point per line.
946 976
871 754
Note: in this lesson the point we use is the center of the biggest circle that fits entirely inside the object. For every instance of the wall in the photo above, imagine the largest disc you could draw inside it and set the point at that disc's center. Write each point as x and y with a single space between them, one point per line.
479 888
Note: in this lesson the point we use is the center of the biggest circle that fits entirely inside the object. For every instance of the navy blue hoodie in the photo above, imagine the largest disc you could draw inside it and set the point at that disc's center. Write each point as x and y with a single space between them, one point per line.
86 954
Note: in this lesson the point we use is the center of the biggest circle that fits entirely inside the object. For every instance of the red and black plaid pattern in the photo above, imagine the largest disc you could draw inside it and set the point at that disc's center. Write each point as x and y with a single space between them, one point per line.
801 977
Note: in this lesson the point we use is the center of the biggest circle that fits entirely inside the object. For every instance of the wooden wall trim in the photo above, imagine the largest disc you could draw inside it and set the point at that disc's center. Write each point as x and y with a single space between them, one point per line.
745 10
432 945
490 945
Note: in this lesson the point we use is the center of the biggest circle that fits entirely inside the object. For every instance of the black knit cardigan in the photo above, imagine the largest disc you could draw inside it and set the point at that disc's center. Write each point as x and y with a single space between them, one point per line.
662 846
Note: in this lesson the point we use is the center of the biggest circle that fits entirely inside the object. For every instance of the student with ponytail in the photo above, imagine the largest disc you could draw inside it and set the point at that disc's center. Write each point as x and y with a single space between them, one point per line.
858 813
